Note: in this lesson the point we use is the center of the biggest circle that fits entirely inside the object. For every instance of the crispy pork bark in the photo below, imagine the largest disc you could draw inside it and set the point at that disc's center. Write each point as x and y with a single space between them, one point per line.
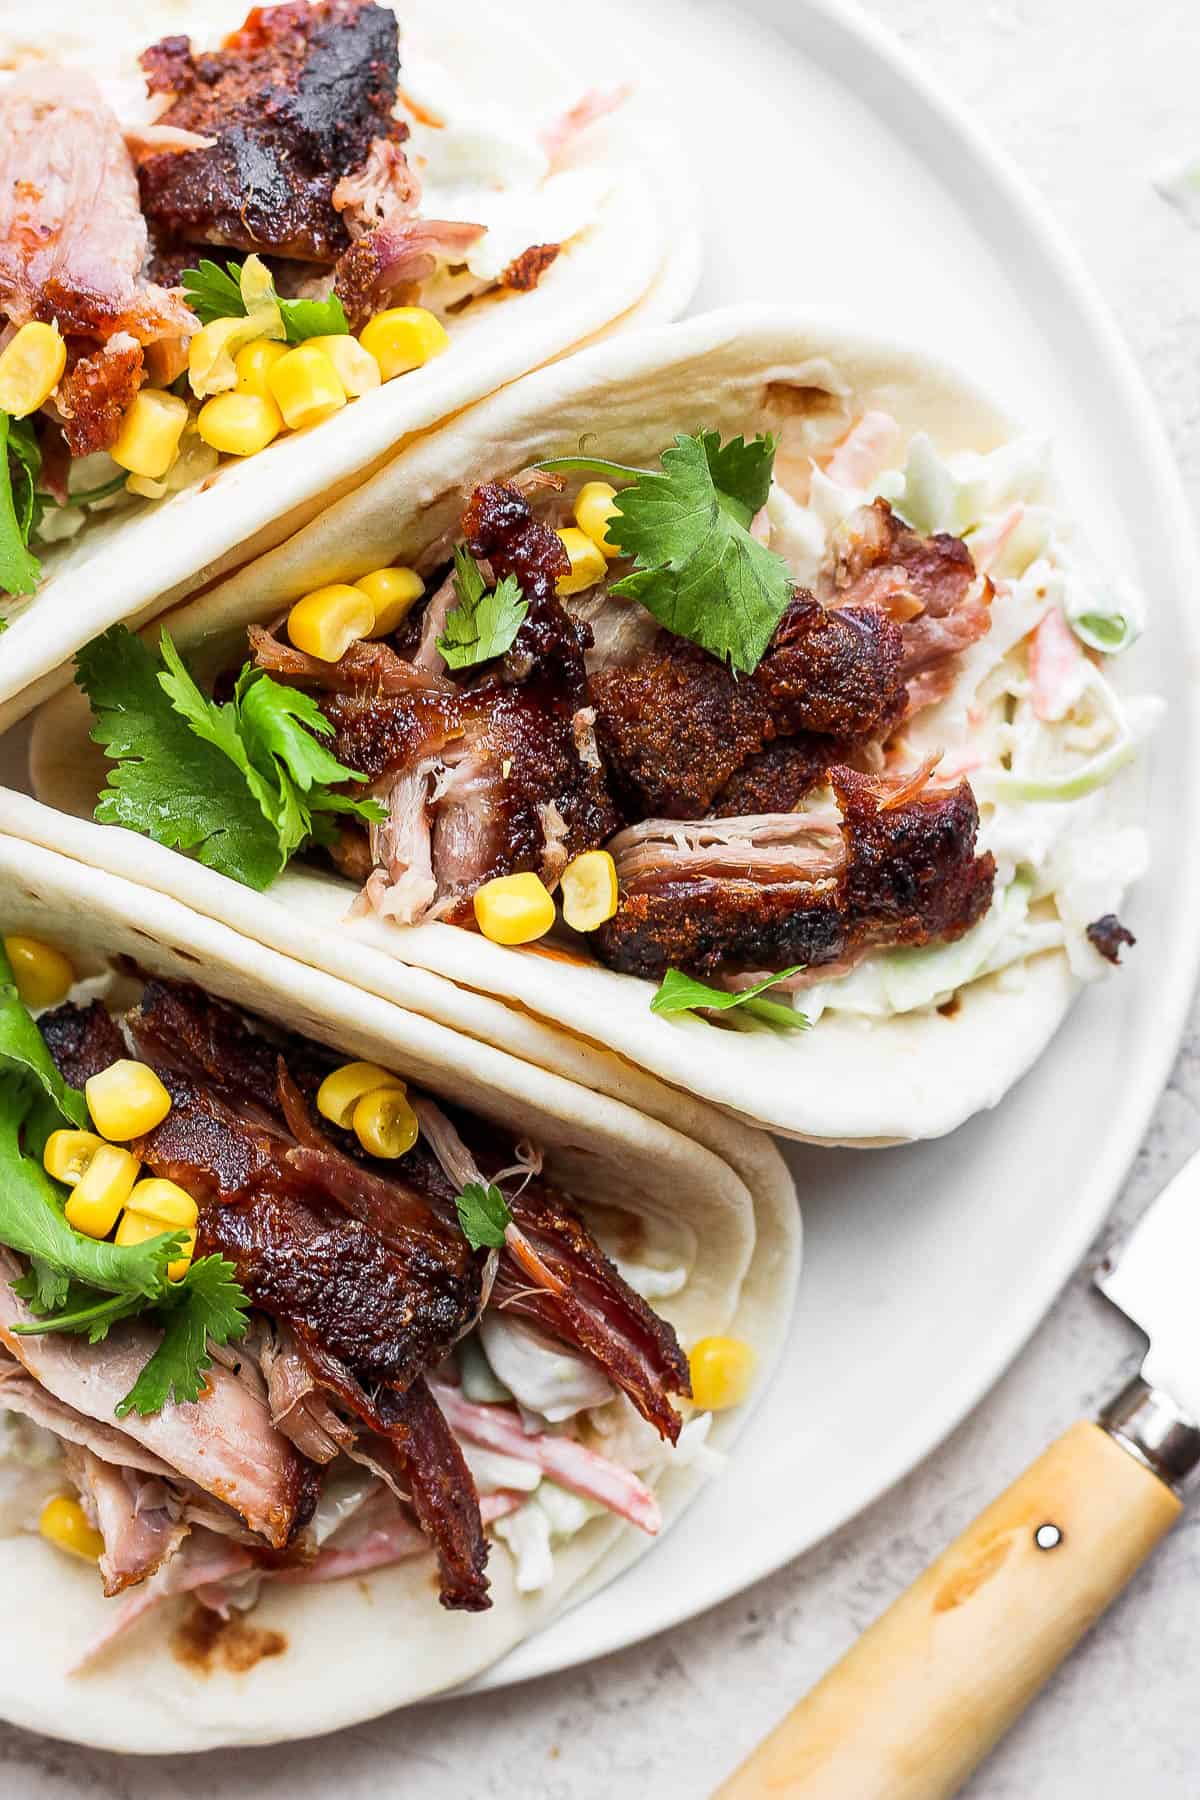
676 726
295 101
722 897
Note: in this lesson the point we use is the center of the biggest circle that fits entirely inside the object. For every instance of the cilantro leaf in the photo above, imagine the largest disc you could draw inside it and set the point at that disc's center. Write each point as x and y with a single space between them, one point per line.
483 624
216 293
237 783
213 292
483 1214
698 570
207 1303
169 783
740 470
25 468
20 571
82 1309
81 1284
45 1287
313 318
23 1052
680 993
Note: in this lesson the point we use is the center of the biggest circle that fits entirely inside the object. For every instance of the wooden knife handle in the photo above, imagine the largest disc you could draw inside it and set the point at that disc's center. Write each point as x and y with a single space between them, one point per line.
927 1690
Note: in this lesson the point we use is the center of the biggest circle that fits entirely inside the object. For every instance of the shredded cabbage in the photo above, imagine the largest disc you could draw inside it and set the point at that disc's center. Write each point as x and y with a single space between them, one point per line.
1041 741
544 1377
479 1380
484 162
527 1534
494 1472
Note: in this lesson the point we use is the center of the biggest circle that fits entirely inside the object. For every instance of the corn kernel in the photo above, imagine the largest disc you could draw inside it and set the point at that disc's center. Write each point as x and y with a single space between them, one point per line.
304 385
164 1202
514 909
43 975
393 593
145 489
134 1229
196 460
68 1154
385 1124
327 621
239 424
587 562
65 1524
721 1372
31 367
343 1088
403 338
125 1100
102 1190
254 362
589 890
212 353
594 509
156 1206
150 433
356 368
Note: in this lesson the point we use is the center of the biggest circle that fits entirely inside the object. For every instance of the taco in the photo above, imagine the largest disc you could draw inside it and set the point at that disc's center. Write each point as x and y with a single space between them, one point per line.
314 1315
236 273
765 649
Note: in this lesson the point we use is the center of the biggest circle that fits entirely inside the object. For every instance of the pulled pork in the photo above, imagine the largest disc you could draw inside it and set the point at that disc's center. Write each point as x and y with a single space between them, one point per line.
362 1281
764 893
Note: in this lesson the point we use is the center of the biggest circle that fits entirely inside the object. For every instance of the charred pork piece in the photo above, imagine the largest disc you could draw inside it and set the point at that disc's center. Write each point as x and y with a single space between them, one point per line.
677 726
96 391
82 1040
499 525
295 100
779 777
723 897
374 1285
1110 937
480 780
588 1305
427 1461
928 584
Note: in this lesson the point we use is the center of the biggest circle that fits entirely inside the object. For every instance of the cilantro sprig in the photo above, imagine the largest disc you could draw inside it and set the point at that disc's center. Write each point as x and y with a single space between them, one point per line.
485 622
483 1214
84 1285
20 505
244 785
697 567
215 293
680 993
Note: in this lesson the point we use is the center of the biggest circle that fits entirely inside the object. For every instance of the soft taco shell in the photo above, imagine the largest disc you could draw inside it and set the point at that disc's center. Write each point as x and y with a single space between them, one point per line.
745 369
391 1642
623 270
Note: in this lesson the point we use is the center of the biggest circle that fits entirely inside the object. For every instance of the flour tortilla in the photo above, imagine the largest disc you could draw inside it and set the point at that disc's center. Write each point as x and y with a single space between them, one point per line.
624 269
745 369
358 1648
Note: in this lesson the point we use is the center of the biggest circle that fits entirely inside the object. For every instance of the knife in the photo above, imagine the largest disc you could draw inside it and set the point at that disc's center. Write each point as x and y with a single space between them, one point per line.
925 1693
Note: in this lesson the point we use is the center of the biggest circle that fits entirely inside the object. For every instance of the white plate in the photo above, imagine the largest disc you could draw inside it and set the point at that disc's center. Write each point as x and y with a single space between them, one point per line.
835 174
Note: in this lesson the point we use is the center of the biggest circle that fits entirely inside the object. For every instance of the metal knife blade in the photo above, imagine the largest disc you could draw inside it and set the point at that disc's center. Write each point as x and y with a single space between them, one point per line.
1154 1277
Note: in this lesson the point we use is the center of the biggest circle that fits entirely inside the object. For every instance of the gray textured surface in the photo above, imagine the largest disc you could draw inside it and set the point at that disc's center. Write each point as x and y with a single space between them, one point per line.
1090 96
